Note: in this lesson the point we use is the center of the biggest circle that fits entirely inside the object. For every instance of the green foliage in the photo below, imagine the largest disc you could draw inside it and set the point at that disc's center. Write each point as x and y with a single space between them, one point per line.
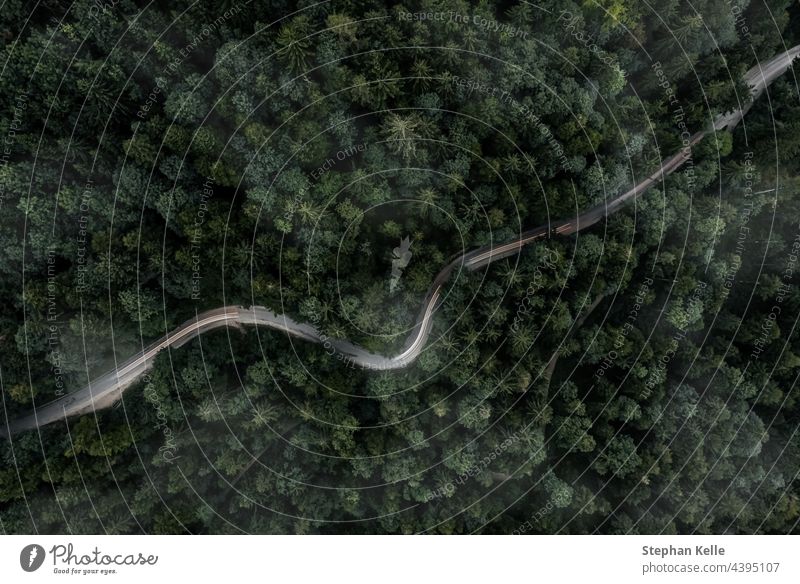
633 377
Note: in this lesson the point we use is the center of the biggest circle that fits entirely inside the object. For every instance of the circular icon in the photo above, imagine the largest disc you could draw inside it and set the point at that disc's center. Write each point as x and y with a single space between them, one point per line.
31 557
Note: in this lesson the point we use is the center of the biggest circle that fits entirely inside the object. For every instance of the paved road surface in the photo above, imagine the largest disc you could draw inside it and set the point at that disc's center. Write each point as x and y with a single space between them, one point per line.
107 389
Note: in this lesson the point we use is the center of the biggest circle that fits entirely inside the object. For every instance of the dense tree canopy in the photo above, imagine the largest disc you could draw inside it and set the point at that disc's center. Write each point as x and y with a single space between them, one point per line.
638 376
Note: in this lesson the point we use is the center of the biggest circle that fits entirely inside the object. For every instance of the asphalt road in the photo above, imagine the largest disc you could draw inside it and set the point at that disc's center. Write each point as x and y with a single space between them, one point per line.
107 389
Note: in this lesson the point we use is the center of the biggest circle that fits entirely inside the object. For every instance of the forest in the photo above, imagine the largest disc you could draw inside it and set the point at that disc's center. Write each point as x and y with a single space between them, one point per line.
325 159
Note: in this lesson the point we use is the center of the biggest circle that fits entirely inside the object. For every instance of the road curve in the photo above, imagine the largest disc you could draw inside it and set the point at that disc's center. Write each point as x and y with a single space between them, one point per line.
107 389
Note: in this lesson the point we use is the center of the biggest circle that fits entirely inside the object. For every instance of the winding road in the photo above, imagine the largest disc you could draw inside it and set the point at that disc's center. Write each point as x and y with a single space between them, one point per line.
107 389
